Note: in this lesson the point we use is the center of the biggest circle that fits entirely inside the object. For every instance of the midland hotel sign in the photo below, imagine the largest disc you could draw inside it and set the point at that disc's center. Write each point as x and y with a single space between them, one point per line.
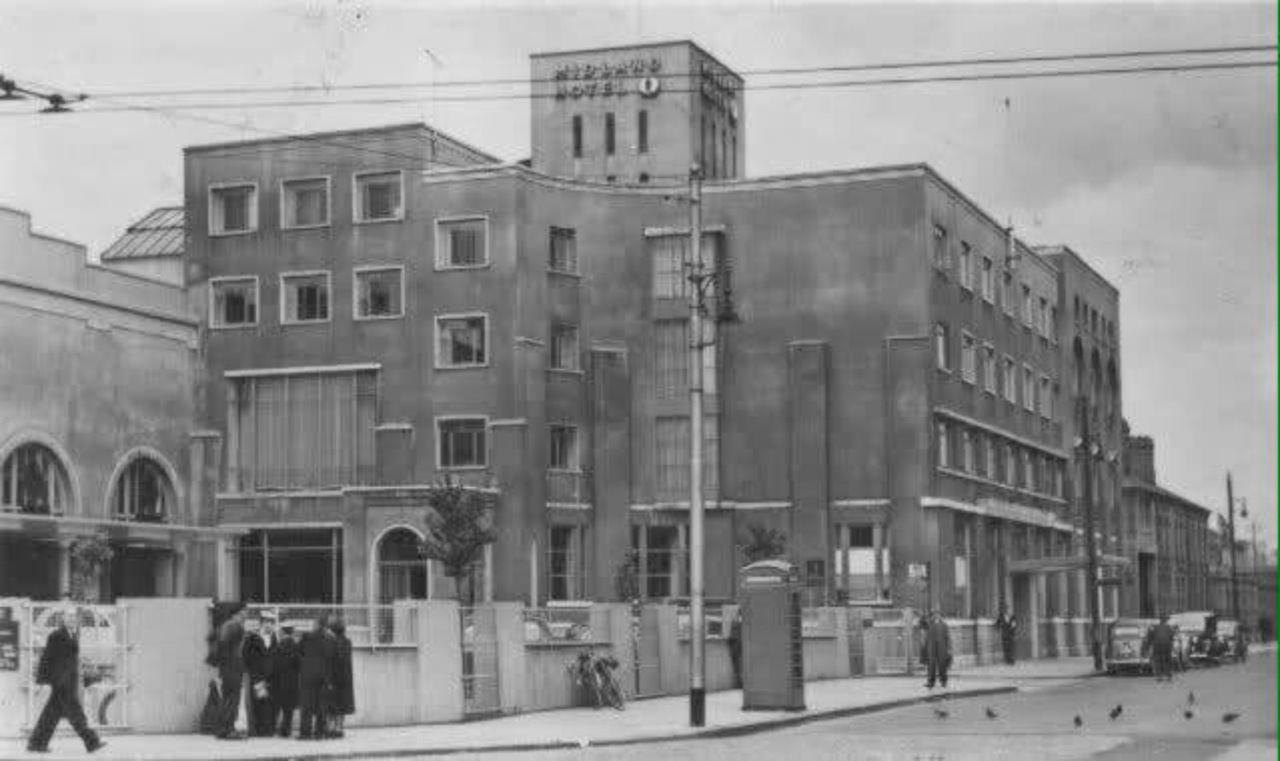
638 75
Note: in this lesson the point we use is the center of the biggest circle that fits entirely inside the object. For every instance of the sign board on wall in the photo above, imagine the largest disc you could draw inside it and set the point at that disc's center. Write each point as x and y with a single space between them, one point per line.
608 79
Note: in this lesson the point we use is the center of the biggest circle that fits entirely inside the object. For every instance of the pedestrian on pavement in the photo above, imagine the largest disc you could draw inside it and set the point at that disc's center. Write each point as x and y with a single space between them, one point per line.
937 649
286 661
344 698
228 657
315 679
1161 644
1007 626
257 663
59 668
735 647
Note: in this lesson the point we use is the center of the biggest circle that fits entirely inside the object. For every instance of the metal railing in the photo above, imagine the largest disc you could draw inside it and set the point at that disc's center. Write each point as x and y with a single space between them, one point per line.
394 625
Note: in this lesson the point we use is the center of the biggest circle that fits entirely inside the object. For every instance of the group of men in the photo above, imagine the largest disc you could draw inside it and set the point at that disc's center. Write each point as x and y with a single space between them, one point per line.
311 673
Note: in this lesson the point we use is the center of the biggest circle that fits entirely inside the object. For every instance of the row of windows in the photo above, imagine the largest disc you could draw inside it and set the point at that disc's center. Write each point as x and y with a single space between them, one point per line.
1093 320
611 134
1039 394
996 284
306 202
996 458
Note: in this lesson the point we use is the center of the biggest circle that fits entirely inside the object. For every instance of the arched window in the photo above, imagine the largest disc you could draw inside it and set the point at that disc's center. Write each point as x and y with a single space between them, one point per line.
402 571
34 481
143 493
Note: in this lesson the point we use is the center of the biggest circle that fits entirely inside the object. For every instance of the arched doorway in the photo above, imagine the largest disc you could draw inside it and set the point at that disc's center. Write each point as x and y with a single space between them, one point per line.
142 493
34 480
403 574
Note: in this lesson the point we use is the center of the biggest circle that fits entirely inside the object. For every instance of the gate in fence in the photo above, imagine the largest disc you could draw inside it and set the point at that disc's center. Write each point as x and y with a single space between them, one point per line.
480 661
648 672
104 660
890 642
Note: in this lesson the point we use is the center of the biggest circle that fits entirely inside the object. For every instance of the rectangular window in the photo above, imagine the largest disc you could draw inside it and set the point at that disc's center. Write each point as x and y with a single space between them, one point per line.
564 563
1043 317
462 243
671 464
461 340
1011 465
462 442
564 448
564 346
379 196
966 442
577 136
939 245
303 431
1028 388
304 203
943 443
291 566
988 280
1045 397
942 346
1010 379
1027 305
609 134
1053 324
669 254
855 563
1008 299
304 297
966 266
564 250
233 302
642 131
989 461
968 358
989 368
233 209
379 292
663 560
1028 476
963 551
671 358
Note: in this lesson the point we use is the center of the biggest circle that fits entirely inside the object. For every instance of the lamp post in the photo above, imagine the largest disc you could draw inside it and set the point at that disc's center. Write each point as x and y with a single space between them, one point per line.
1231 545
697 279
1085 449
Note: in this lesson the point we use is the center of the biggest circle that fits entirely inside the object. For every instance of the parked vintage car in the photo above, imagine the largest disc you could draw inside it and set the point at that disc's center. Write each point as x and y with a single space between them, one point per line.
1196 633
1127 648
1231 643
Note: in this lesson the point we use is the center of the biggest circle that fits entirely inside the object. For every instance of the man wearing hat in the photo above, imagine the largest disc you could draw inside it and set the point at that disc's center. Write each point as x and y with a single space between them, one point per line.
258 643
60 669
229 659
286 661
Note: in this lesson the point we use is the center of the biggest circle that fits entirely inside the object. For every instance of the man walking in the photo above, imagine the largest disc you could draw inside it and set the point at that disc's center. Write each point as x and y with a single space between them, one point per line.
1007 626
937 649
60 669
229 658
1161 641
257 664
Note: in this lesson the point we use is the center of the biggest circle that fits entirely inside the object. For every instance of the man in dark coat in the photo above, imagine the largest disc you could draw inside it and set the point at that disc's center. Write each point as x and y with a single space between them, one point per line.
285 663
60 669
937 650
1007 626
315 679
343 693
229 658
257 664
1161 642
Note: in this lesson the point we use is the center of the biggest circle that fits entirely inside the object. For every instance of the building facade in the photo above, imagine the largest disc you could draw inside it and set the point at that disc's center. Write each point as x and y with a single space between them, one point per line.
95 426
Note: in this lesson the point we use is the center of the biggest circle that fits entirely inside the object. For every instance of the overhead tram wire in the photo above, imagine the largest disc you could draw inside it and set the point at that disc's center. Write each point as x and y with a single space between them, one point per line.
924 64
782 86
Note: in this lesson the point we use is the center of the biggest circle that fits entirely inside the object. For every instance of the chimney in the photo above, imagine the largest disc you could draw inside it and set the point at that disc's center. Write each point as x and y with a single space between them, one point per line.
1140 458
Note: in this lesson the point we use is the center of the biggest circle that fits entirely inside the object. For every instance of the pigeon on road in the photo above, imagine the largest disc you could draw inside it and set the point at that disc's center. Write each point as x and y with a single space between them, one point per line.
941 713
1115 712
991 713
1187 714
1229 717
1191 698
1079 722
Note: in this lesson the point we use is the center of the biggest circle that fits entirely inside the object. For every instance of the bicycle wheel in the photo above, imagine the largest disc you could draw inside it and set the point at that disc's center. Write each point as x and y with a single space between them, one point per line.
597 689
612 693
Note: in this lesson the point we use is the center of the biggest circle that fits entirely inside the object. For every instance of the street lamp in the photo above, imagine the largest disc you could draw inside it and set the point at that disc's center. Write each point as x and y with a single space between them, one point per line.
1087 449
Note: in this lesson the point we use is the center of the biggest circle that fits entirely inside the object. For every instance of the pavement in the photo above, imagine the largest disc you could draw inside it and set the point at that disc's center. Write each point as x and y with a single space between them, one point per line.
643 721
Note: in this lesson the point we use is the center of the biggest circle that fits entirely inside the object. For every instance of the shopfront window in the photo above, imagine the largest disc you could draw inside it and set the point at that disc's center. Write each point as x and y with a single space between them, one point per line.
291 565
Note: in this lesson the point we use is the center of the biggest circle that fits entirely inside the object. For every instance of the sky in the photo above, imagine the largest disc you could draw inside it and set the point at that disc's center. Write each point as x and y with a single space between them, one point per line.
1165 183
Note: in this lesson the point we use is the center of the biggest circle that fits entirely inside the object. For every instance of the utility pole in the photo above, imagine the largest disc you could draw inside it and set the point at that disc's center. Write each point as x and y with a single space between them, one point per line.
1231 539
1253 569
1091 547
697 633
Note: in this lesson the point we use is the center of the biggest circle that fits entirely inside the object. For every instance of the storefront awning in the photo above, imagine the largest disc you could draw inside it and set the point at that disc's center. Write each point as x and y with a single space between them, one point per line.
53 527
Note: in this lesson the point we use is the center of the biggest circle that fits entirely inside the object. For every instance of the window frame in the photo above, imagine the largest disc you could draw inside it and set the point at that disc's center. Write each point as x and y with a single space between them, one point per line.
460 316
254 220
969 374
328 201
555 232
439 434
1009 371
286 319
942 442
988 275
556 325
576 465
443 253
942 352
1044 400
575 136
355 197
1028 400
939 247
355 292
642 131
990 368
610 133
257 302
966 266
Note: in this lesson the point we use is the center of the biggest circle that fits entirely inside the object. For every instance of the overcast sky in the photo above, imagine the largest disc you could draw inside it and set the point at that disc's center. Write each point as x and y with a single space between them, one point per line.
1166 183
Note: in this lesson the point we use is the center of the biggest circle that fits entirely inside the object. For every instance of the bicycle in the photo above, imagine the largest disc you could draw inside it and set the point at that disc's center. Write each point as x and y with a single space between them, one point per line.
595 673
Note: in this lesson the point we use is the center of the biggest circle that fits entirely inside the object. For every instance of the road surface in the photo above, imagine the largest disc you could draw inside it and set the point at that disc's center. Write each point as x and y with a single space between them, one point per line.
1037 724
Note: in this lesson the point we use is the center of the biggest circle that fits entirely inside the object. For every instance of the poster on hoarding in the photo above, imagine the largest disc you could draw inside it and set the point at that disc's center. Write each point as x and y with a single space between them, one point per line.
8 640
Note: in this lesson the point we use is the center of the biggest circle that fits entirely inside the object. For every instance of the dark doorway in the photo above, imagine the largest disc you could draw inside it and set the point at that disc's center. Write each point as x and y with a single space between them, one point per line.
28 568
1022 609
1146 590
134 572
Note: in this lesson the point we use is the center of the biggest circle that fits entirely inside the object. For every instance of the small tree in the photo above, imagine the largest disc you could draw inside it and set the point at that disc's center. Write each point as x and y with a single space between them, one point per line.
626 578
459 526
88 555
763 543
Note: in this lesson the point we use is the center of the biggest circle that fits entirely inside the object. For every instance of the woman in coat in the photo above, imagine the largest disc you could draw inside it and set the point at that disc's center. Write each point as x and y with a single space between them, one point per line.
344 699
